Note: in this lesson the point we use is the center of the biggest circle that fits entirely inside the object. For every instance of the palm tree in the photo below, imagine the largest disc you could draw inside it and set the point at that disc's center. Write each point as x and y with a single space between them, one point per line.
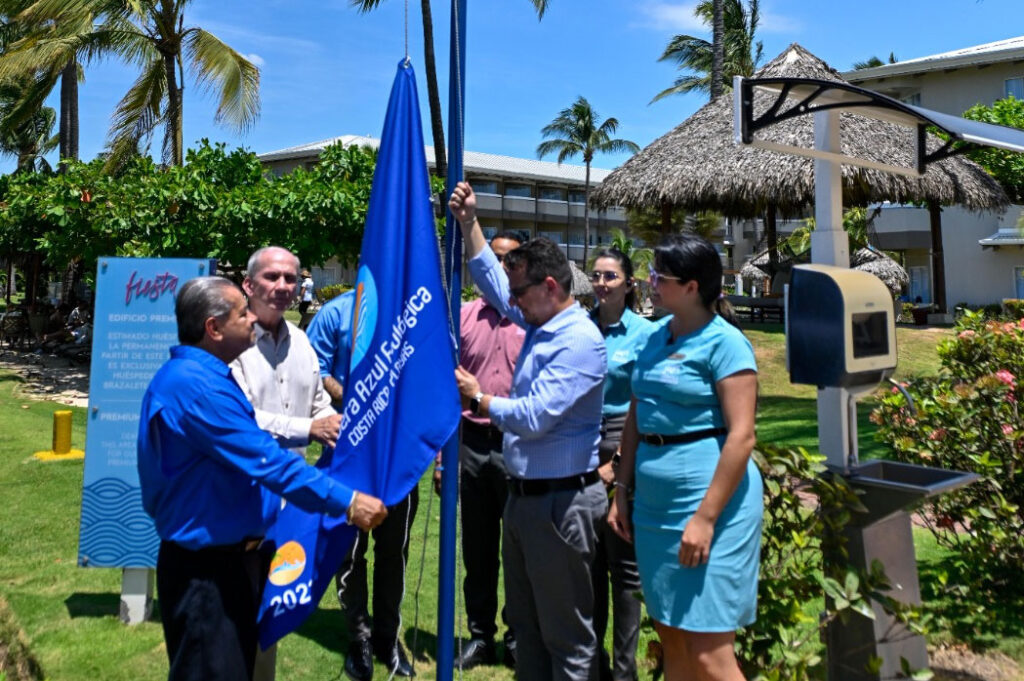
717 47
429 65
873 61
578 130
26 137
152 35
46 48
741 54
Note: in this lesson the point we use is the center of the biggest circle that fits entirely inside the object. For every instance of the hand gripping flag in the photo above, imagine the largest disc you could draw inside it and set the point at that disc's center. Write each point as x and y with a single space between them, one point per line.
400 402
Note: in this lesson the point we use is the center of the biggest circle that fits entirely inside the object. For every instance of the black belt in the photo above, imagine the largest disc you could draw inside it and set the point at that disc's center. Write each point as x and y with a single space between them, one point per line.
535 486
661 440
489 431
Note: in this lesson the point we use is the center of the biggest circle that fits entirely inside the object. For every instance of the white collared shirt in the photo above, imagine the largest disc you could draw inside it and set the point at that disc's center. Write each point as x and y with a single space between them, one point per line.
282 381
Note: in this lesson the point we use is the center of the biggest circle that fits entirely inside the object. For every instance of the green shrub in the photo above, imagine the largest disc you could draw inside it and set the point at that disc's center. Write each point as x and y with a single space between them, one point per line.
907 313
1013 308
470 293
785 641
326 293
968 418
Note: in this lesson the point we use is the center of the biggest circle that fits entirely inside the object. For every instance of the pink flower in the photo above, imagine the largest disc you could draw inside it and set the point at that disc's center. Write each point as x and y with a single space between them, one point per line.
1006 377
969 333
911 422
937 434
1007 429
1009 327
1021 323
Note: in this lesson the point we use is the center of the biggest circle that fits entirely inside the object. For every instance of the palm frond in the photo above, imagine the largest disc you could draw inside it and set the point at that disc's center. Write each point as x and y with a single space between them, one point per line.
220 69
137 114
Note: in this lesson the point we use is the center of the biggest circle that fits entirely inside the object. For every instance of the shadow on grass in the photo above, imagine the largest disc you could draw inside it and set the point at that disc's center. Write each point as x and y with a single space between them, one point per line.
793 422
93 605
422 645
981 620
327 629
10 377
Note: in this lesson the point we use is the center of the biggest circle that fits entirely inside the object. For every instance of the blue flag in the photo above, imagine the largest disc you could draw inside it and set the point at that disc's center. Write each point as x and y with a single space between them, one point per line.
400 402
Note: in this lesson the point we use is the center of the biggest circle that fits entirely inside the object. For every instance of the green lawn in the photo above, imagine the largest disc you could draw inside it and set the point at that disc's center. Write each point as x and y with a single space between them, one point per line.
68 615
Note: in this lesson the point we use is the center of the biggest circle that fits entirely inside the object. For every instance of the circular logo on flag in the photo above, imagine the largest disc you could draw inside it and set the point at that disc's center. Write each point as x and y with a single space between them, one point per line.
364 316
288 564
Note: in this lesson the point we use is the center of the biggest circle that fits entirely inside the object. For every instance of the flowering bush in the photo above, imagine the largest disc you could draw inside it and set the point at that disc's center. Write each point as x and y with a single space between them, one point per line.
969 418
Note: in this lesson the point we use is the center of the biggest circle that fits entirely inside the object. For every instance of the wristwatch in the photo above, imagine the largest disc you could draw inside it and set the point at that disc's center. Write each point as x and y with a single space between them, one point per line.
474 403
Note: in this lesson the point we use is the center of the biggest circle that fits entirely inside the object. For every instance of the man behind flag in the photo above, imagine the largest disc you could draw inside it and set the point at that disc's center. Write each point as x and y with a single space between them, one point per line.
399 403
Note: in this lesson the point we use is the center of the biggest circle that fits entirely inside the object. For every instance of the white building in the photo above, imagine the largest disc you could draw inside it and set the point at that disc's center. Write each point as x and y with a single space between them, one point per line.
539 198
983 252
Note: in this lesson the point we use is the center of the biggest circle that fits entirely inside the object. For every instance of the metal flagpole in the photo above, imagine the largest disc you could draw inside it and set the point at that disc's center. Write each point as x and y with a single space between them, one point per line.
453 267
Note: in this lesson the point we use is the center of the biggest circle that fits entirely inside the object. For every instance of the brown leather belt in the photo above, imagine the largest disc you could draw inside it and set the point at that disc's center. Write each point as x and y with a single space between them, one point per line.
535 486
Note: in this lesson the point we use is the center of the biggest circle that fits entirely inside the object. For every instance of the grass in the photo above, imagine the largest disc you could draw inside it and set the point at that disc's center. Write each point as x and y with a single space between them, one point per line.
67 615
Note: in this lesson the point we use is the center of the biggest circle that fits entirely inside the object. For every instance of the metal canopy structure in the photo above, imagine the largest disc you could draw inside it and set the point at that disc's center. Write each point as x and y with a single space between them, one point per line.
803 96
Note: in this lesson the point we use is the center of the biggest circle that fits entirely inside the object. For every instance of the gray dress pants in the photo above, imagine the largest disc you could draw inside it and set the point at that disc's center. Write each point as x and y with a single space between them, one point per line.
548 546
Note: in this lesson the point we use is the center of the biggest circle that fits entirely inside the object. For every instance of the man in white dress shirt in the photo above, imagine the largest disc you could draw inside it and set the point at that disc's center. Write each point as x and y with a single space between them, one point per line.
280 373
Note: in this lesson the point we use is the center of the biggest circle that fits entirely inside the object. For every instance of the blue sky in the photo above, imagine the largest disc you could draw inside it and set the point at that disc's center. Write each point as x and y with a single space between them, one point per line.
326 69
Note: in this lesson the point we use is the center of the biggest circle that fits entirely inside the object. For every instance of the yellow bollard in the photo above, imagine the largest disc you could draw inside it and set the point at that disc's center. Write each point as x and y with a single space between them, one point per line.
61 440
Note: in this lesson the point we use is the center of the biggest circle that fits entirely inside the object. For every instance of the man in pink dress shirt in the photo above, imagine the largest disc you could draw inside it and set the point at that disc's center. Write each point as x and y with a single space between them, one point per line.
489 349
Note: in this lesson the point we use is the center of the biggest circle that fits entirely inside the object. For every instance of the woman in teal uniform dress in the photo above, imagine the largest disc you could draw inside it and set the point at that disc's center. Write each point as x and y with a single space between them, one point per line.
686 446
625 333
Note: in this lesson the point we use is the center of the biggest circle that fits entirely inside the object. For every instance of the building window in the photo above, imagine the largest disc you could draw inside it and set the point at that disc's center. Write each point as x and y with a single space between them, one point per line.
523 191
577 197
1015 87
552 194
485 186
912 100
1018 282
555 237
489 232
325 276
920 285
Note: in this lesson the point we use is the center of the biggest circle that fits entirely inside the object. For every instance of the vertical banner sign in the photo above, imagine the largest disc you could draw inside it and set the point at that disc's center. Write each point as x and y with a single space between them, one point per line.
400 402
133 328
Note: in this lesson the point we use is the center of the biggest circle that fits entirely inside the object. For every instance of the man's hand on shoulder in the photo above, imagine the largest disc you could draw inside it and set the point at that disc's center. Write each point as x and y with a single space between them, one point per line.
366 512
325 430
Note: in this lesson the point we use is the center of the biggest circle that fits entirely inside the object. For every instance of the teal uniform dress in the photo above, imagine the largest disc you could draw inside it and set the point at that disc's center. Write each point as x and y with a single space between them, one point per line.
674 386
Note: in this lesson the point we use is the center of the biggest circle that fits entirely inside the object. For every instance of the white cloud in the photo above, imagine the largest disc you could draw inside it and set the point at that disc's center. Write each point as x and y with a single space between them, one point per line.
255 59
671 16
679 16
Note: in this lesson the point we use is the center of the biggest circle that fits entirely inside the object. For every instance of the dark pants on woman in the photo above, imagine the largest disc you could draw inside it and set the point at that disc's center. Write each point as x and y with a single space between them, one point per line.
209 600
616 558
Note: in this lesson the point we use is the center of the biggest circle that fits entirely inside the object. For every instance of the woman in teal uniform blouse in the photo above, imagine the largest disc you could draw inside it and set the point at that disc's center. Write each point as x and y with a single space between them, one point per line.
686 444
625 333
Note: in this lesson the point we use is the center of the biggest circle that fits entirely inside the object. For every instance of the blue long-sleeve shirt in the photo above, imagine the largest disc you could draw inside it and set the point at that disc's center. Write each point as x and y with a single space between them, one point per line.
552 418
204 462
330 334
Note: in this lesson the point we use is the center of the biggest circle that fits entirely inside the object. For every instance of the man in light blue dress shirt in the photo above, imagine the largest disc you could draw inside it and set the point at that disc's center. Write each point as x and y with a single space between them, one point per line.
551 421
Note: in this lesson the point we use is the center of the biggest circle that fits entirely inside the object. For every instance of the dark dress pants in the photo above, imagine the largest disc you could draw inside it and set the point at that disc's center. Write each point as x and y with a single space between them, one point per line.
616 558
483 490
209 600
390 555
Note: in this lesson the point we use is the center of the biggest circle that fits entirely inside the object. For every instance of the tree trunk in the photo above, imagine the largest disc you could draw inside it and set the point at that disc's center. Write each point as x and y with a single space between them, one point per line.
69 112
433 98
772 239
938 261
174 113
666 218
717 48
586 216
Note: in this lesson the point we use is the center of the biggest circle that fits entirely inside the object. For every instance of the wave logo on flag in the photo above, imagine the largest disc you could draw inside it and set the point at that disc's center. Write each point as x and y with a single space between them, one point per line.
287 564
364 316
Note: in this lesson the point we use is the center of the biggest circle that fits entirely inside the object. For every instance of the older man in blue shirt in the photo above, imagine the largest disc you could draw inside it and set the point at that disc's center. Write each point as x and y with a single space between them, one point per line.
210 479
552 422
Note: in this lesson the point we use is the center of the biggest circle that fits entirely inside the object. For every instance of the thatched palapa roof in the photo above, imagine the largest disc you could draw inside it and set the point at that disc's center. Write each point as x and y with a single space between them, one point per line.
698 166
581 285
864 259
